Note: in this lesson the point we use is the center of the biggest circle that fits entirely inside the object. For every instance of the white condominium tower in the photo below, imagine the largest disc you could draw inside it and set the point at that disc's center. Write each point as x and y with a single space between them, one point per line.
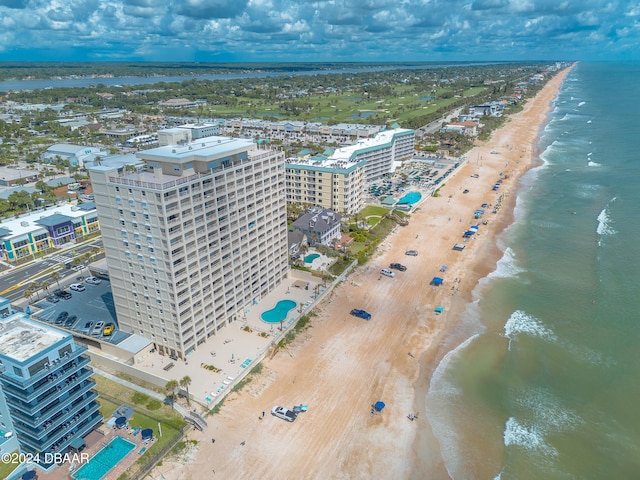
194 238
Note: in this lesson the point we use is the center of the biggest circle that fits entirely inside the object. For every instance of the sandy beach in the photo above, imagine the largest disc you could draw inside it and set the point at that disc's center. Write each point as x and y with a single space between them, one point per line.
342 364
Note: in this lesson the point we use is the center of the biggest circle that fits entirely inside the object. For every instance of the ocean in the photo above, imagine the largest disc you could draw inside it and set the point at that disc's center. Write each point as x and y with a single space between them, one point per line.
542 378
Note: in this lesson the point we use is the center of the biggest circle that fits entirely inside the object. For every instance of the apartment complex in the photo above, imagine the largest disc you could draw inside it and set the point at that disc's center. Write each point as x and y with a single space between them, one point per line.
44 229
338 181
320 180
193 238
46 383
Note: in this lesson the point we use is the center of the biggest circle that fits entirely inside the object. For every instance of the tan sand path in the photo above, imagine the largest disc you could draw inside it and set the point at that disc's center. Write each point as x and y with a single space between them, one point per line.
342 364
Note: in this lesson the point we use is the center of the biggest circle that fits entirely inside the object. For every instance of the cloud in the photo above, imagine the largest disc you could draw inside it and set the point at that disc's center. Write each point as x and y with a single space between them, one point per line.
302 30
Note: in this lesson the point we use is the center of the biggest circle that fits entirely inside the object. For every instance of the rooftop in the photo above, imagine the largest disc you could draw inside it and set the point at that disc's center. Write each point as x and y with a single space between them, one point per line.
21 338
202 149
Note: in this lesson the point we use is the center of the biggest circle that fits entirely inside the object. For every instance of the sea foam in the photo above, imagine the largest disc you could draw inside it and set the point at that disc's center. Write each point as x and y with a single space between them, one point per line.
522 323
527 437
593 164
604 221
506 266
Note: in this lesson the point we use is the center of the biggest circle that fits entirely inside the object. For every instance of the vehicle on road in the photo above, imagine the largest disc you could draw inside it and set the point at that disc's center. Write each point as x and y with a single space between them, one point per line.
97 329
361 314
63 294
52 299
284 413
108 329
77 287
388 273
93 281
62 316
398 266
411 253
475 175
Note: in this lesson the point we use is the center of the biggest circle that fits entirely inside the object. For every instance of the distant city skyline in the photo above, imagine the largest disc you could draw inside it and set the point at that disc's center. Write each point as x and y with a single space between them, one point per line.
307 31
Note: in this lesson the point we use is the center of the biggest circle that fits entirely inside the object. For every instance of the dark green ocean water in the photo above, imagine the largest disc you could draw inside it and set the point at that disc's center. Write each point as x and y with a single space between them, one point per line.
542 378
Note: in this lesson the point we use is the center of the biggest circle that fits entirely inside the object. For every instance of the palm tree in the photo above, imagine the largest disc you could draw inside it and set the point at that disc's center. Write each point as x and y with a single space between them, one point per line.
185 382
34 287
27 294
45 286
171 387
56 276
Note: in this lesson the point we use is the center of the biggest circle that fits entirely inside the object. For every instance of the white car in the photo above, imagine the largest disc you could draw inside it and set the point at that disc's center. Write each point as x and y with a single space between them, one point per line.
411 253
284 413
77 287
387 272
93 281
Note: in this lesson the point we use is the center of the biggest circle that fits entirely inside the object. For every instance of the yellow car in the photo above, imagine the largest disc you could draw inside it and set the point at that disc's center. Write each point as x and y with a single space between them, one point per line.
108 329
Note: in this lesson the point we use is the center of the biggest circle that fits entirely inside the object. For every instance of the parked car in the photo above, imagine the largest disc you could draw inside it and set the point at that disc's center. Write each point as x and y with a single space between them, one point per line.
87 327
52 299
63 294
108 329
387 272
466 190
284 413
412 253
398 266
361 314
475 175
62 316
77 287
97 328
70 321
93 281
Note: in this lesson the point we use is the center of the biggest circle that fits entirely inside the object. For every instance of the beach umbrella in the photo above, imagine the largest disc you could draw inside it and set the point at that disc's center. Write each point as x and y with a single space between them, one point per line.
379 406
120 421
146 433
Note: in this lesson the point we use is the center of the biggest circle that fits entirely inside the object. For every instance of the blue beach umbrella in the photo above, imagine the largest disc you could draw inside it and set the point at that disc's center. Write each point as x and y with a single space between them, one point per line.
379 406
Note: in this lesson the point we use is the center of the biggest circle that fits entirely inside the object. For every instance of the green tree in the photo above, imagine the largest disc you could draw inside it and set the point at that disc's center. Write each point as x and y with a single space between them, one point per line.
184 383
171 387
56 277
20 199
27 294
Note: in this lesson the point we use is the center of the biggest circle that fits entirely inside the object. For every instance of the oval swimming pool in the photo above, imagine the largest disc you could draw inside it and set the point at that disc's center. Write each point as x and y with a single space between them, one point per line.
279 312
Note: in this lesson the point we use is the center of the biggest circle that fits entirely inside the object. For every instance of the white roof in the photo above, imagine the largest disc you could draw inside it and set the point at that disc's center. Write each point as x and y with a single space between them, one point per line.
21 338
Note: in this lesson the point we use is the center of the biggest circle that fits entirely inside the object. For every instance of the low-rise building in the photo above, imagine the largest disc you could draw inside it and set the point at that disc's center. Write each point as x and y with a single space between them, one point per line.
319 225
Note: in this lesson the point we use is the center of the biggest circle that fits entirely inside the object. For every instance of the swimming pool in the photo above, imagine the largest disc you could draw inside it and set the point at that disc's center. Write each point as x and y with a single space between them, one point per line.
103 461
410 198
279 312
311 257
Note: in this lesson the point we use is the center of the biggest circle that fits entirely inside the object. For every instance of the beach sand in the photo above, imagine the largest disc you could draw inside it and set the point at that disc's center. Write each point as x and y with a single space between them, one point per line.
341 365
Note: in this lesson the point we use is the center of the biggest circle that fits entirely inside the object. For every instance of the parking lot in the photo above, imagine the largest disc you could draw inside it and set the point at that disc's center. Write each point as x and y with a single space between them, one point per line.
92 305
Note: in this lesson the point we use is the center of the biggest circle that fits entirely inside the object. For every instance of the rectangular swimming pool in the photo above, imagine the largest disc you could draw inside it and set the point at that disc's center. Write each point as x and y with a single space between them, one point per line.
103 461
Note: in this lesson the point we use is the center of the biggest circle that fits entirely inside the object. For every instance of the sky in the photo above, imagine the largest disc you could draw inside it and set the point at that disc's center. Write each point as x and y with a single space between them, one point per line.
318 30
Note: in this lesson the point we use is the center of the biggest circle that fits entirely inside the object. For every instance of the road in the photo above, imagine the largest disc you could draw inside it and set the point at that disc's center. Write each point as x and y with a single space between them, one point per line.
15 281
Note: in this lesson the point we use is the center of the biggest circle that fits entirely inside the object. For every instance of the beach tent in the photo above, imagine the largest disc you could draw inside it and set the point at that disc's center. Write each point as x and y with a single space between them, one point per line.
437 281
379 406
468 233
439 309
121 421
479 211
443 268
146 434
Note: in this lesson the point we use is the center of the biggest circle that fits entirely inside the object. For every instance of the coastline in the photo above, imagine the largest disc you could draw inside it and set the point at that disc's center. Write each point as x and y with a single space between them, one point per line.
342 364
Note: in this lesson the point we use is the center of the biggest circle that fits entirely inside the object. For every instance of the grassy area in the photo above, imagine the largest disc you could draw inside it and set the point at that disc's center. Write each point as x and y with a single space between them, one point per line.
7 467
148 413
373 210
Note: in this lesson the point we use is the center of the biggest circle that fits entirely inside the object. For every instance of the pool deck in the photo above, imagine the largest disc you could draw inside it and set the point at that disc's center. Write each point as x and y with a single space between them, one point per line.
95 442
229 349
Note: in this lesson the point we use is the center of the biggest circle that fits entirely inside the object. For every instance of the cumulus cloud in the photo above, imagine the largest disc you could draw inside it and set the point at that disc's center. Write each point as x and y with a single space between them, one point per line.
302 30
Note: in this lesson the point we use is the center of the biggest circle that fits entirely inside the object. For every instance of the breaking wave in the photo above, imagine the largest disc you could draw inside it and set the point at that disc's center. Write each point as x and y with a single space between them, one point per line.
522 323
604 221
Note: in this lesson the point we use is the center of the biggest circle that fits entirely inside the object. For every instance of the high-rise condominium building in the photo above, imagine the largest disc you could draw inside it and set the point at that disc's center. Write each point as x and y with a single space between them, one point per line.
193 238
46 383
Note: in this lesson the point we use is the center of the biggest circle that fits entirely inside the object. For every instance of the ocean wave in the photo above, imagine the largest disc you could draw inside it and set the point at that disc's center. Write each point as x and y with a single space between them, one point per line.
522 323
549 415
604 222
593 164
506 266
527 437
581 104
445 394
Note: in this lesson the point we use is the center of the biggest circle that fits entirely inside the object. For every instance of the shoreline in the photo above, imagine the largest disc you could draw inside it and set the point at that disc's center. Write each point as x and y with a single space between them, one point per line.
340 365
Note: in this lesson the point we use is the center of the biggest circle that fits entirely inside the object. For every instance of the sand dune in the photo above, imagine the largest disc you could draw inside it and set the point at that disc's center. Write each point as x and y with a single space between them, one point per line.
342 364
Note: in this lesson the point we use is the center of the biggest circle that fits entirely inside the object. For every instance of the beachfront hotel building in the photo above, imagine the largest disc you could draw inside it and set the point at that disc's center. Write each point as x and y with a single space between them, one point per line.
45 382
193 238
338 181
322 181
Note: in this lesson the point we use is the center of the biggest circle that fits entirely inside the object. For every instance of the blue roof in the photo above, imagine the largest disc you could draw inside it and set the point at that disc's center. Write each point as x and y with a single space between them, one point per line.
53 220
